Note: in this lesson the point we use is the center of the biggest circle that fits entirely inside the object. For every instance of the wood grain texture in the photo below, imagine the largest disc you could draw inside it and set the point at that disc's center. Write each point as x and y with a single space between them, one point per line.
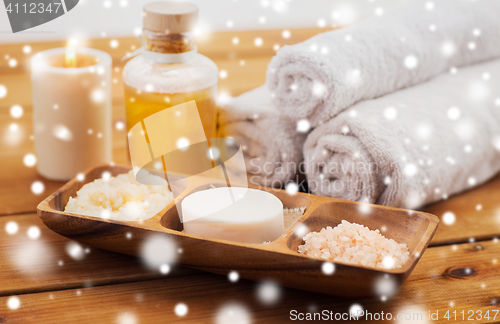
477 215
440 282
430 285
34 265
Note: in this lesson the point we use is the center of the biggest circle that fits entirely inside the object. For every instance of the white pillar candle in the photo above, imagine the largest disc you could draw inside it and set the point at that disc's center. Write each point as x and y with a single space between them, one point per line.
71 111
255 216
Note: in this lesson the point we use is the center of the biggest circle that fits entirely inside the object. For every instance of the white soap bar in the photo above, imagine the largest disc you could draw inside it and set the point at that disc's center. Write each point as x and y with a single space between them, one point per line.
234 214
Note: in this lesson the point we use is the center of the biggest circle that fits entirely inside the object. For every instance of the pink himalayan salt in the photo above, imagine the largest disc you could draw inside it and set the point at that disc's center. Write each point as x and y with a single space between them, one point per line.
356 244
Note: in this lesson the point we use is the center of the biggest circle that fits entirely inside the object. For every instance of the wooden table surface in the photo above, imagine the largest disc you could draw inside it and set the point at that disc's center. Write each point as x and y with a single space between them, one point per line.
459 272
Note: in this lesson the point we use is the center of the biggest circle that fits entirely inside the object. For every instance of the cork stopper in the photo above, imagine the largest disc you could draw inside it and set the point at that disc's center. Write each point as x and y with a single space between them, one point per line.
170 17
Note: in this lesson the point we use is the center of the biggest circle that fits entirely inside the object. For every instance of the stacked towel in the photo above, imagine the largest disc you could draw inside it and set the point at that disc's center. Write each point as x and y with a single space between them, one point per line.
413 146
319 78
271 143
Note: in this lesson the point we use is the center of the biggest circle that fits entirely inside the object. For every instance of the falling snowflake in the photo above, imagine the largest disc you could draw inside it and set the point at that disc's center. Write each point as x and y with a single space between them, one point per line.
126 318
390 113
286 34
413 314
3 91
98 95
232 313
107 4
354 77
181 309
11 228
164 269
29 160
344 15
149 87
424 131
411 62
34 232
280 6
453 113
291 188
448 218
318 89
16 111
119 125
80 177
223 98
268 293
411 169
75 251
37 187
328 268
13 127
365 208
356 311
303 126
223 74
158 250
448 48
258 42
106 176
302 230
496 142
388 262
233 276
13 303
12 63
182 143
465 130
63 133
385 285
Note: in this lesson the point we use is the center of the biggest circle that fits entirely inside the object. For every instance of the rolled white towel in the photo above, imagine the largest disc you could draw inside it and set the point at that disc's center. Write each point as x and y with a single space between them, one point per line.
414 146
319 78
271 144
